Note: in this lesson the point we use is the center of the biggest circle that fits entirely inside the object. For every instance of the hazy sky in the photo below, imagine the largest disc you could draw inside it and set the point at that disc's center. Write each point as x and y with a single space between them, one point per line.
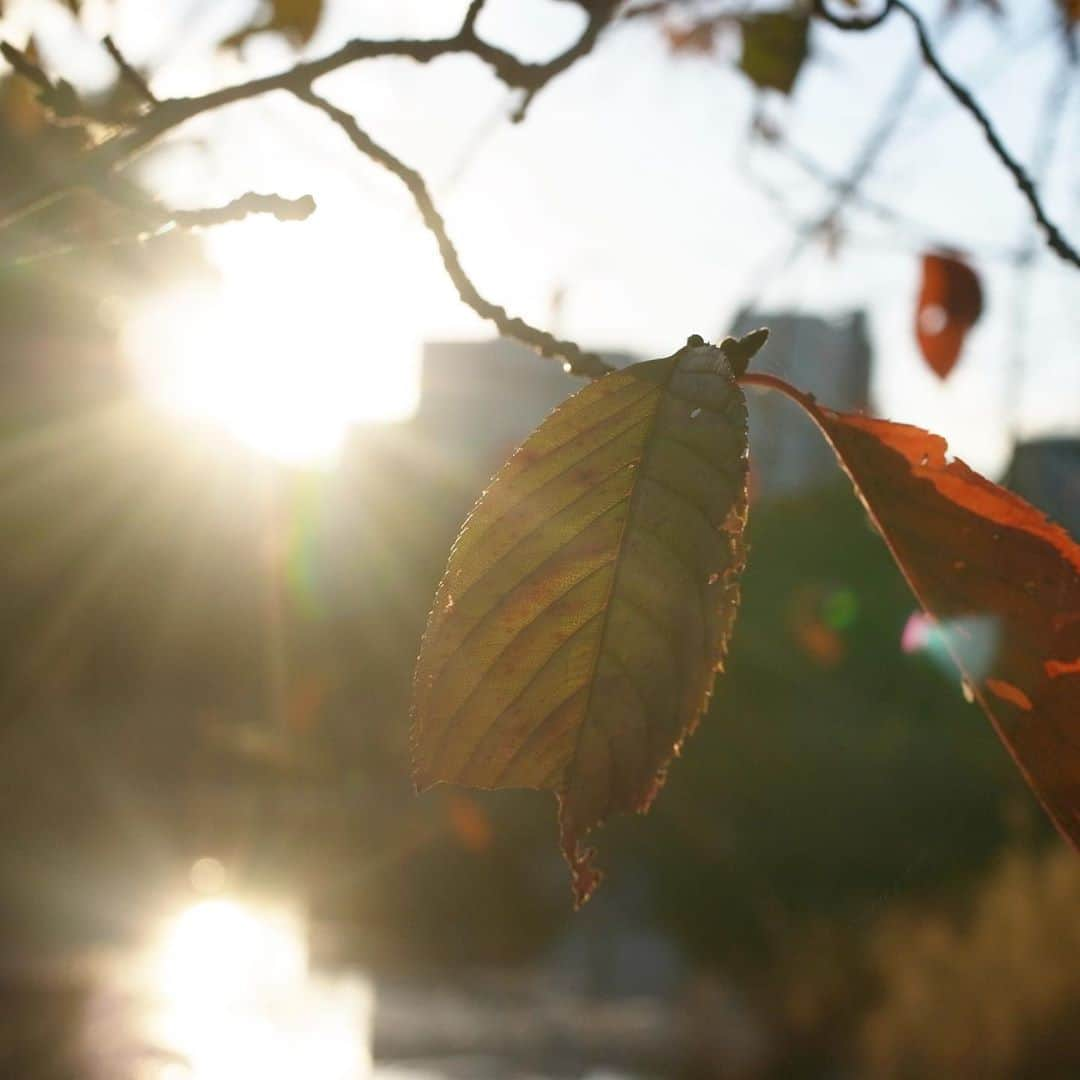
630 187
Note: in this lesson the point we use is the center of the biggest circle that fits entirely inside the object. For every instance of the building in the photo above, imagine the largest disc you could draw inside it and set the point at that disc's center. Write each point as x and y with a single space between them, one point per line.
479 400
1046 472
829 358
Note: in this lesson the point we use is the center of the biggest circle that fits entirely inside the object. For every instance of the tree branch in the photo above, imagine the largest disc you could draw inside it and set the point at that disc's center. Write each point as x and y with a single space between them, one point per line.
252 203
95 164
1054 237
469 25
577 361
157 220
128 73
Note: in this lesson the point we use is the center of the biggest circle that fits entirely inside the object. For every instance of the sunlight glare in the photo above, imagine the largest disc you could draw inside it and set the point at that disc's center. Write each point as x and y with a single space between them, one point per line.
238 999
229 952
283 354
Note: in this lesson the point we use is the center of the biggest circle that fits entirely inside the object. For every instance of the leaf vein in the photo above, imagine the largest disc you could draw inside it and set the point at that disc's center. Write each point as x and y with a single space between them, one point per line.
510 705
546 521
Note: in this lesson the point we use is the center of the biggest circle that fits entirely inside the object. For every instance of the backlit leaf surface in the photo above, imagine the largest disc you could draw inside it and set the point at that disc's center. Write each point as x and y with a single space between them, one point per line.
1002 582
589 598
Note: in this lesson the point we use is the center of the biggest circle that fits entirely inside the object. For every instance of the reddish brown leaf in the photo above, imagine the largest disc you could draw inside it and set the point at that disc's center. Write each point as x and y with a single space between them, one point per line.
697 39
950 303
969 548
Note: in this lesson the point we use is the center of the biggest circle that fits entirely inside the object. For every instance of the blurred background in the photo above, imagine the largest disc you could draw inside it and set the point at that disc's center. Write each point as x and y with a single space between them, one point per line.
232 463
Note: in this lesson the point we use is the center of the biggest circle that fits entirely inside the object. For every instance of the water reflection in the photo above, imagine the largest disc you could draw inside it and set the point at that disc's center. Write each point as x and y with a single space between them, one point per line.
224 985
225 990
236 998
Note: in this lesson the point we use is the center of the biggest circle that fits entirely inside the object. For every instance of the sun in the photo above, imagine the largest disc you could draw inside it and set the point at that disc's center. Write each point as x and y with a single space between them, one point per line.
279 353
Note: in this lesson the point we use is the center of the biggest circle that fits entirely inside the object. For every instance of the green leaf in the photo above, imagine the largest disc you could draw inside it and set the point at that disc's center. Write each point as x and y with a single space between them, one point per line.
589 598
774 48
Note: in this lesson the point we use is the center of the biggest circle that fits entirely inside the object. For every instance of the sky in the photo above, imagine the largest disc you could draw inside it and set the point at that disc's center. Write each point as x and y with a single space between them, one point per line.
633 187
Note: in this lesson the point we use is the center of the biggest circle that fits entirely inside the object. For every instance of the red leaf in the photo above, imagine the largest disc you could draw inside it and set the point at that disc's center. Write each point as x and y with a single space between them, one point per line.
950 303
971 550
697 39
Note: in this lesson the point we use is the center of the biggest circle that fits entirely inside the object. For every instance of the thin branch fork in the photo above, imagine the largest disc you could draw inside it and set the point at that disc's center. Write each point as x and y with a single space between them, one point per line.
1055 239
128 71
577 361
95 164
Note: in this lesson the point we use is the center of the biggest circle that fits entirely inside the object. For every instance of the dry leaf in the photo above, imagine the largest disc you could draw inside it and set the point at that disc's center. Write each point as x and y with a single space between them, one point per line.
588 601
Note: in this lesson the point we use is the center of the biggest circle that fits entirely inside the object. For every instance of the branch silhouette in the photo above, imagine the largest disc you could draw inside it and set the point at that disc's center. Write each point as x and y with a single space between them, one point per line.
128 71
577 360
1055 239
94 166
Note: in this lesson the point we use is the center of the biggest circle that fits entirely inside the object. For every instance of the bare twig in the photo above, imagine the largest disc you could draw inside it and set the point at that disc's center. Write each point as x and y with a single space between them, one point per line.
1054 237
846 188
921 235
469 25
252 203
577 361
95 164
128 72
857 23
157 220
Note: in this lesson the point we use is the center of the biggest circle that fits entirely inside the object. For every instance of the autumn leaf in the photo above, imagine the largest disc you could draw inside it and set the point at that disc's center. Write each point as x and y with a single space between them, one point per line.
976 554
296 18
21 113
696 39
773 48
589 598
950 303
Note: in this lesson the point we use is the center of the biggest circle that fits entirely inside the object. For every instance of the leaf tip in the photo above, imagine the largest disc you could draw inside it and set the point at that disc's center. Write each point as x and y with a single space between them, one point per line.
584 877
421 782
741 351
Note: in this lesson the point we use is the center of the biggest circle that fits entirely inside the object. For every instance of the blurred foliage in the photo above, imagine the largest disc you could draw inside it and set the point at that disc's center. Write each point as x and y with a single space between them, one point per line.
991 991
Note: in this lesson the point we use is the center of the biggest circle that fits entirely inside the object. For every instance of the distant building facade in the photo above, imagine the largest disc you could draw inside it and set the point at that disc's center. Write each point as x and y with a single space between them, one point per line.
480 399
1046 472
829 358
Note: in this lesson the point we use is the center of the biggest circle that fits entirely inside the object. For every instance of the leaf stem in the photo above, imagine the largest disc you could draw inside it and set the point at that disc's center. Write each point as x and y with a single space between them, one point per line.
577 360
